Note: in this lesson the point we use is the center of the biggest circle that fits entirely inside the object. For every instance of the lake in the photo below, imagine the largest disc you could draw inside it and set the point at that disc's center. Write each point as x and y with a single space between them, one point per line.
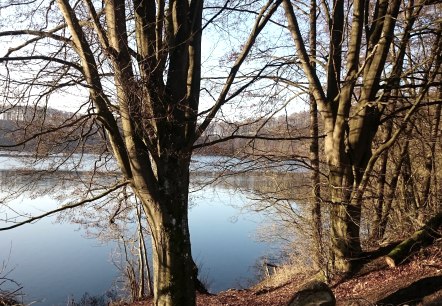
54 260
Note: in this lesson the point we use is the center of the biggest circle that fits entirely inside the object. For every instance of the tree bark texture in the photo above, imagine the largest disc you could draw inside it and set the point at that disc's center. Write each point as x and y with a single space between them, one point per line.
381 228
157 122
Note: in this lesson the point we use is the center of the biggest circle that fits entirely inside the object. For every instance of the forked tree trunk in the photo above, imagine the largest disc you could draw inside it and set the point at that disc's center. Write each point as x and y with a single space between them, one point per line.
156 126
345 177
175 274
347 143
345 221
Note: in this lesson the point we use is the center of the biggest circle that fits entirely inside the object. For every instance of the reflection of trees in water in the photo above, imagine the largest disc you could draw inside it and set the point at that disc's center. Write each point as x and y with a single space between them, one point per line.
72 193
55 184
281 198
267 189
15 180
284 185
115 216
10 290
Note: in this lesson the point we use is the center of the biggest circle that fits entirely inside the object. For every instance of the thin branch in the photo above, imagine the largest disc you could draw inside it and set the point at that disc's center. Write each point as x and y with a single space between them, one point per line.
42 133
224 139
65 207
43 58
431 76
260 22
40 34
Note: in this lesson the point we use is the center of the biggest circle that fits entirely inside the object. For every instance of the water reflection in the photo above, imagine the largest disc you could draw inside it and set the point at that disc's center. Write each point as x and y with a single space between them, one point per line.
256 184
54 261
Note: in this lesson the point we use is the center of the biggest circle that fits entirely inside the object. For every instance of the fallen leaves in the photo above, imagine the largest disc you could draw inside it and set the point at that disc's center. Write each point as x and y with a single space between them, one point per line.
362 290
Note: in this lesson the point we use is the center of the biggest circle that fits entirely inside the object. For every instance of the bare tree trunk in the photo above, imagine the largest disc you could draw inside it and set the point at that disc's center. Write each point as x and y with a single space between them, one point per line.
382 207
146 260
351 118
148 275
314 151
376 233
173 274
144 269
174 270
409 188
141 262
345 221
429 162
129 272
386 209
380 201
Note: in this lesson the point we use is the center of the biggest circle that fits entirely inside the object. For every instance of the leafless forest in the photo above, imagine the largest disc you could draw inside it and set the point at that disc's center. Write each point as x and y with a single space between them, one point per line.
340 100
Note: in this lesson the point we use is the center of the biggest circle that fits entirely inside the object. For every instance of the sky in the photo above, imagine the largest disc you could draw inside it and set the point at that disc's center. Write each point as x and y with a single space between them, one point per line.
216 43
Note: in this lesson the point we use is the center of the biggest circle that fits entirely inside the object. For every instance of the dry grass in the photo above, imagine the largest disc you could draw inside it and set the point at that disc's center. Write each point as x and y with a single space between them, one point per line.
284 274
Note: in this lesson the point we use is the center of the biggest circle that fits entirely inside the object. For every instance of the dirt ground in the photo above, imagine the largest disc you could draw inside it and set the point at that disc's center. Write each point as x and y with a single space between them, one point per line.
417 282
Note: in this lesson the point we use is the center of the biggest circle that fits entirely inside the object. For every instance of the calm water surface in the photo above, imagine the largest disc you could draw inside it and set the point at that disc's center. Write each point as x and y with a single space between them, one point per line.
53 261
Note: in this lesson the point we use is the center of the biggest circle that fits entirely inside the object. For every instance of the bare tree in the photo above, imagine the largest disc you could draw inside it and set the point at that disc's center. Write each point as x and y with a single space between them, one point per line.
140 62
354 94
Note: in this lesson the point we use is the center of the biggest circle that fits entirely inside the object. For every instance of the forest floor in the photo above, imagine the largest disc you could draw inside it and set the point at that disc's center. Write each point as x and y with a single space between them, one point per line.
417 282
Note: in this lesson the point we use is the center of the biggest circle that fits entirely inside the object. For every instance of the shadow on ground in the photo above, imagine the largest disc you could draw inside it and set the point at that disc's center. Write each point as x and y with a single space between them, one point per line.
415 293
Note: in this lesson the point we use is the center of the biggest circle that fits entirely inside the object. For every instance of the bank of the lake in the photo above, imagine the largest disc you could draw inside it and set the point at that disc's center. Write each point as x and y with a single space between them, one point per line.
415 282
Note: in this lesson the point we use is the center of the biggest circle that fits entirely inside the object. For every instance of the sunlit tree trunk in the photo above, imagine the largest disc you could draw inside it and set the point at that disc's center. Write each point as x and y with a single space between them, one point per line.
351 117
391 194
425 193
152 144
157 91
143 260
314 150
380 201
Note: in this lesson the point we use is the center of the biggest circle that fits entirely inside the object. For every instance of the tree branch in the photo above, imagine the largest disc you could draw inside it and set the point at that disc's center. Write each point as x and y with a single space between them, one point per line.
224 139
260 22
41 57
65 207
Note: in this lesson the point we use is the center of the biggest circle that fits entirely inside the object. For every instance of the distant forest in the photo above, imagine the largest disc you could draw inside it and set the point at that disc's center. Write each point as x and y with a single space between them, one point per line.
278 137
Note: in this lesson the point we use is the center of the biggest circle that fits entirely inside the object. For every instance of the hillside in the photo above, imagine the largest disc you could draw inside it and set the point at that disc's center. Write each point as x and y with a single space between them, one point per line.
418 282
